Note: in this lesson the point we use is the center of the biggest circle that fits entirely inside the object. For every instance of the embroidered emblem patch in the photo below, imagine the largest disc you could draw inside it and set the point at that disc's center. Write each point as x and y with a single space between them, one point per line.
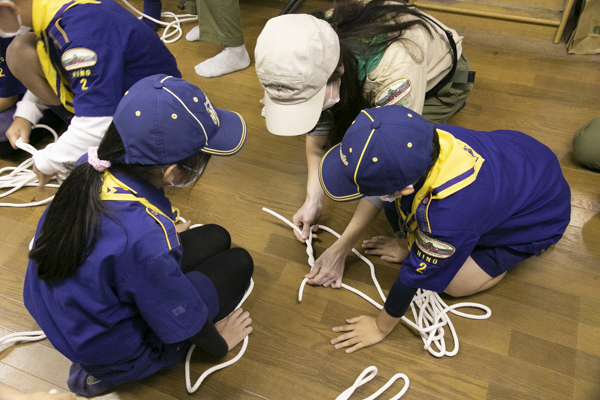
343 157
77 58
211 111
393 93
90 380
433 247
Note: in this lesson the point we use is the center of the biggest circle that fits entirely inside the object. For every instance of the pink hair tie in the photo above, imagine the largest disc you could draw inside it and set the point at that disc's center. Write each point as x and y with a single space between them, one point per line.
94 161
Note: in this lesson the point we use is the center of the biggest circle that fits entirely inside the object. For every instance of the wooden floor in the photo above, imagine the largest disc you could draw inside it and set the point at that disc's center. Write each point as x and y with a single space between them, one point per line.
543 339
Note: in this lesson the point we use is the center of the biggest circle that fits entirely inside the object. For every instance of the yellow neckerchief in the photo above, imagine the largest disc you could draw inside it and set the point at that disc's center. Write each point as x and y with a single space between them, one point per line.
44 12
456 158
109 193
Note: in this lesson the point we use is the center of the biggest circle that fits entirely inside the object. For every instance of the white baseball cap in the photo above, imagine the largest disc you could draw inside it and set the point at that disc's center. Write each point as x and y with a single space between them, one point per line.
295 55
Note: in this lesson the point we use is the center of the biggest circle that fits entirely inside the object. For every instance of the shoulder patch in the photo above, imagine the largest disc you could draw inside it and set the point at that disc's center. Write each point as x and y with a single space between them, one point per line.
394 93
77 58
433 247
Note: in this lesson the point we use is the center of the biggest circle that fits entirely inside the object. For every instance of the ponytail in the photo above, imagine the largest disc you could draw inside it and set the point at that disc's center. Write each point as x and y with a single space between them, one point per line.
71 228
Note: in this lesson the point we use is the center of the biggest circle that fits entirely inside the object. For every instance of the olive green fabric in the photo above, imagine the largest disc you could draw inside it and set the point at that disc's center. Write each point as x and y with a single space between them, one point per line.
450 99
586 145
219 21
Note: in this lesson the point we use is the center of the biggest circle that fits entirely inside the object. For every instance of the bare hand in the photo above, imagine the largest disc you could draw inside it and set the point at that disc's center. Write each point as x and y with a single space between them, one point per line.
360 332
42 178
183 227
20 128
235 327
305 217
390 249
329 268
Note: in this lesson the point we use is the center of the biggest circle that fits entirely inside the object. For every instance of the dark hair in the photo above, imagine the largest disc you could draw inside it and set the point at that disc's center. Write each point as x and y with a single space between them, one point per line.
364 30
71 228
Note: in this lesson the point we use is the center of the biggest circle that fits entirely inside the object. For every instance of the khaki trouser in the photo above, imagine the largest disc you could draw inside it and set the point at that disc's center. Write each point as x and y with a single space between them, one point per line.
219 21
450 99
586 145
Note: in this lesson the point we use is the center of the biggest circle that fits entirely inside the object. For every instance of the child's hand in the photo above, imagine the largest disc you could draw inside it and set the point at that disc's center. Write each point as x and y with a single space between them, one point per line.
235 327
361 332
20 128
183 227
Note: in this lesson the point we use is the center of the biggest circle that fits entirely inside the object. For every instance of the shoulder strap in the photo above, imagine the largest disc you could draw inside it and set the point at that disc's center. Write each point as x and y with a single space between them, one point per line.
433 91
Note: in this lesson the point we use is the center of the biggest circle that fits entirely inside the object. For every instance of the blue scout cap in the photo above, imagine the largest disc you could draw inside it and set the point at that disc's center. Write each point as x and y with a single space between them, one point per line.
385 150
163 120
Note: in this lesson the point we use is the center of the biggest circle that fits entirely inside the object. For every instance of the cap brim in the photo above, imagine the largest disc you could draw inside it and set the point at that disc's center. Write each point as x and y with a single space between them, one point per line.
293 119
336 177
230 137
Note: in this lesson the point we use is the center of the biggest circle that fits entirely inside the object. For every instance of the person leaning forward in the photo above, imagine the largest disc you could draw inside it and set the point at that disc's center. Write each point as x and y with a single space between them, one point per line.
466 206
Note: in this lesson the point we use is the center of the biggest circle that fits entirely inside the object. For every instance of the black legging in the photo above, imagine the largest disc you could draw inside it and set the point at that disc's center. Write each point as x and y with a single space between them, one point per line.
207 249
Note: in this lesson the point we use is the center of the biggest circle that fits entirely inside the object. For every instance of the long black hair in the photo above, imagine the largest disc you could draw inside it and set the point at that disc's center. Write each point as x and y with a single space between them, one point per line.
364 30
71 228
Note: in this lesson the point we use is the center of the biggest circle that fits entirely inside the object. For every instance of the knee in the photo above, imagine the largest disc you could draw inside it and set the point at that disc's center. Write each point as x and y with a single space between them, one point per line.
221 237
21 55
245 262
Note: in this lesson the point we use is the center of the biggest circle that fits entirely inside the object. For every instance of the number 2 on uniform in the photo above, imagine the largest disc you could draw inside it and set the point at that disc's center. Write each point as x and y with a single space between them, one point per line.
2 72
83 84
423 266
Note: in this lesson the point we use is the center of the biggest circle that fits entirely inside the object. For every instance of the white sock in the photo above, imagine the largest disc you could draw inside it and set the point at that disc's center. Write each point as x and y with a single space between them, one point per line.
193 35
231 59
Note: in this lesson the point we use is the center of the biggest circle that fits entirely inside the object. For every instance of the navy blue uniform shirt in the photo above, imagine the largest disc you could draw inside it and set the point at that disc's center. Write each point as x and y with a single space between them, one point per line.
131 283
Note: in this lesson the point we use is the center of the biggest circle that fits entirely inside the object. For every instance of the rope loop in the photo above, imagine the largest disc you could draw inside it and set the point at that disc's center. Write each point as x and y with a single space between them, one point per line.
15 178
172 28
367 375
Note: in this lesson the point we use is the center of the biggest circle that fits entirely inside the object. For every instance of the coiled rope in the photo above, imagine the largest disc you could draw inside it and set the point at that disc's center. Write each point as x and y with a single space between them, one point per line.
429 311
23 175
174 25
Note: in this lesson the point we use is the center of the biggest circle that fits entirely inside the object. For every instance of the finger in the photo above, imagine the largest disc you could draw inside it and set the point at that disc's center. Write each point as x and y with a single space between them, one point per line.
375 251
390 259
350 342
246 323
337 284
315 228
248 330
305 231
343 328
355 320
329 282
358 346
313 272
237 313
299 236
343 338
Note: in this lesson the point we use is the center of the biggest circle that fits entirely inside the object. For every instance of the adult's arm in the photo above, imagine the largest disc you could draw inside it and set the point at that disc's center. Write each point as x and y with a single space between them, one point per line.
311 209
329 267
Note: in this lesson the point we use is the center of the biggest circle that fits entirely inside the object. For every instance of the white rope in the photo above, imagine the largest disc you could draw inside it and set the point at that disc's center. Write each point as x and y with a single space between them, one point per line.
429 311
15 178
188 382
367 375
174 25
32 336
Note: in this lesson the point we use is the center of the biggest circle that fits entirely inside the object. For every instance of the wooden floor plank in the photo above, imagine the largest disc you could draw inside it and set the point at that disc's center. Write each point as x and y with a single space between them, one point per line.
542 339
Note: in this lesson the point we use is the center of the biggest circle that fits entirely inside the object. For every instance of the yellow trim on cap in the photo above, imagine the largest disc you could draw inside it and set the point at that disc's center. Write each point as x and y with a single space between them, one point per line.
236 149
342 198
